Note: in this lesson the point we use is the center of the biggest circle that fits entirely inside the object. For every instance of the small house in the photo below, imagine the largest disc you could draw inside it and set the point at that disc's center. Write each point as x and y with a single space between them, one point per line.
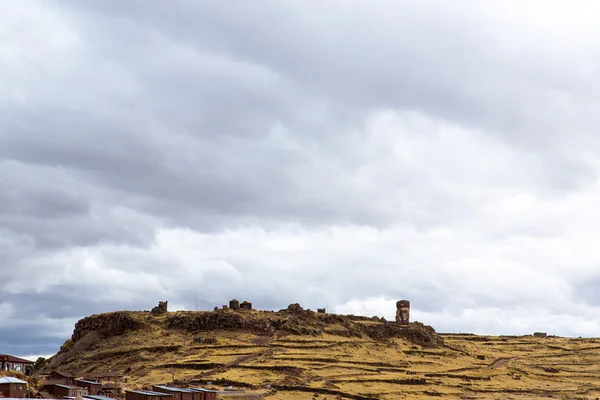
66 378
13 387
66 390
93 388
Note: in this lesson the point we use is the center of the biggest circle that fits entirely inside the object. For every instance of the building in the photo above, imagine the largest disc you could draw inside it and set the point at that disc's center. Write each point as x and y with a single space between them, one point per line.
13 387
60 390
111 389
206 394
93 388
65 378
12 363
177 393
146 395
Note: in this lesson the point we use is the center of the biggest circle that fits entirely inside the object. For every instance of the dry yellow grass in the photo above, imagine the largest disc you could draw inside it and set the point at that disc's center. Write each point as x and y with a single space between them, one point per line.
513 367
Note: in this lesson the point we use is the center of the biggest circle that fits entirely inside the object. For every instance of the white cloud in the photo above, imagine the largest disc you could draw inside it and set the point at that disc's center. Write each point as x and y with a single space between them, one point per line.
446 154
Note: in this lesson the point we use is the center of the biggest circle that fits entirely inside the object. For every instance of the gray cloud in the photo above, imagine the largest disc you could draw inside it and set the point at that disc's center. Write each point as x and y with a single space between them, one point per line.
334 156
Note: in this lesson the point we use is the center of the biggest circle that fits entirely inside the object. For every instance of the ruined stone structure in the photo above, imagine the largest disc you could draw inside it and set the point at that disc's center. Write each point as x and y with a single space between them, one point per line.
295 308
246 305
234 304
160 309
403 312
321 310
540 334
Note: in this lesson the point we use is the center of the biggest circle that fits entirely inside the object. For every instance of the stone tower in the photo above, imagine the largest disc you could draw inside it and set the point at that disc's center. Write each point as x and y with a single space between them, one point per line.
403 312
234 304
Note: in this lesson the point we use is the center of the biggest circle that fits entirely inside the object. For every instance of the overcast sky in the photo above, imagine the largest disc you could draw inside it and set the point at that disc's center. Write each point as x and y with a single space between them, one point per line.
339 154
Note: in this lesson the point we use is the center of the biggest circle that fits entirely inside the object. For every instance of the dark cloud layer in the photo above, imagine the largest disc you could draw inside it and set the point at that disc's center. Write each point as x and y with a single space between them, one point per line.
333 154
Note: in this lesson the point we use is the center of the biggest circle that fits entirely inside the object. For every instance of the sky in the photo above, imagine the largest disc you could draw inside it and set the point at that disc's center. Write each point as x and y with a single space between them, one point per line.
341 154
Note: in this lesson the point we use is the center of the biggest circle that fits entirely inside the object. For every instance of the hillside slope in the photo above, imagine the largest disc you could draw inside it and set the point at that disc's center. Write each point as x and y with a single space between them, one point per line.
301 352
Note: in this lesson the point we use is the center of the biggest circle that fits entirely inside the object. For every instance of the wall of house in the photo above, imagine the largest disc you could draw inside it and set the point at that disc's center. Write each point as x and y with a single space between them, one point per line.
210 395
16 390
93 389
68 380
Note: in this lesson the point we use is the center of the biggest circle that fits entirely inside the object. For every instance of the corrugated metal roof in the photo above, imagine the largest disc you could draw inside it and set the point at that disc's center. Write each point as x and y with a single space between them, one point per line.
10 379
149 392
96 397
203 390
86 381
68 387
174 389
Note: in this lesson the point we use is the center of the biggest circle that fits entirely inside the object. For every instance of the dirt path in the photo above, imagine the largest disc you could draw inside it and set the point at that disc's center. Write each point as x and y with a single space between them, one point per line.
499 362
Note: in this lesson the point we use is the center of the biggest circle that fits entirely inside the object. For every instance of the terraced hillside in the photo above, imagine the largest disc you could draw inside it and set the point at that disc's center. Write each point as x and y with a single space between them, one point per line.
300 353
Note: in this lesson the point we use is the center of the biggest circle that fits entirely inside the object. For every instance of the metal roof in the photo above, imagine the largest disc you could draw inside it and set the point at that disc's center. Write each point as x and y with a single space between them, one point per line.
10 379
174 389
68 387
86 381
203 390
96 397
149 392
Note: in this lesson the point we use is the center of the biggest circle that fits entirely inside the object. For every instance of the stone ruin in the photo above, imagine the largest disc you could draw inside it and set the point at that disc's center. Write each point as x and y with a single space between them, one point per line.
540 334
234 304
246 305
160 309
321 310
403 312
294 308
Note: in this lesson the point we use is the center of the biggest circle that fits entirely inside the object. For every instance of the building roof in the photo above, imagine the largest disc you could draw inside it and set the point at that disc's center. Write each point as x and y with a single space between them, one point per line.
63 374
149 393
65 386
10 379
95 397
203 390
174 389
9 358
89 382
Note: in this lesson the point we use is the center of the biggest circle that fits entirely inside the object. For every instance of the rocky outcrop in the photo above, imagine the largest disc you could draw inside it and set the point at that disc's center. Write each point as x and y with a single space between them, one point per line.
417 333
109 324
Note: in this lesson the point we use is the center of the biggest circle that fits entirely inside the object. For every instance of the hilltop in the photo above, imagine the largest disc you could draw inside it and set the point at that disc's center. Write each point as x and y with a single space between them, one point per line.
301 352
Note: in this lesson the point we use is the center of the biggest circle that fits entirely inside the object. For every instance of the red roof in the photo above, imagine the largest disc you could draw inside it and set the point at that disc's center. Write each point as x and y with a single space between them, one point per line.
9 358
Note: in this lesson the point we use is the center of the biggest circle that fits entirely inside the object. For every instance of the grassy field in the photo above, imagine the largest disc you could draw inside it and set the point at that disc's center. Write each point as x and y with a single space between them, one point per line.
465 367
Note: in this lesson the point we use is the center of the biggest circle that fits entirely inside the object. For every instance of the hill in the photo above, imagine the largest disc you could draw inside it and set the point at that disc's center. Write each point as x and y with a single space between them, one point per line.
300 353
